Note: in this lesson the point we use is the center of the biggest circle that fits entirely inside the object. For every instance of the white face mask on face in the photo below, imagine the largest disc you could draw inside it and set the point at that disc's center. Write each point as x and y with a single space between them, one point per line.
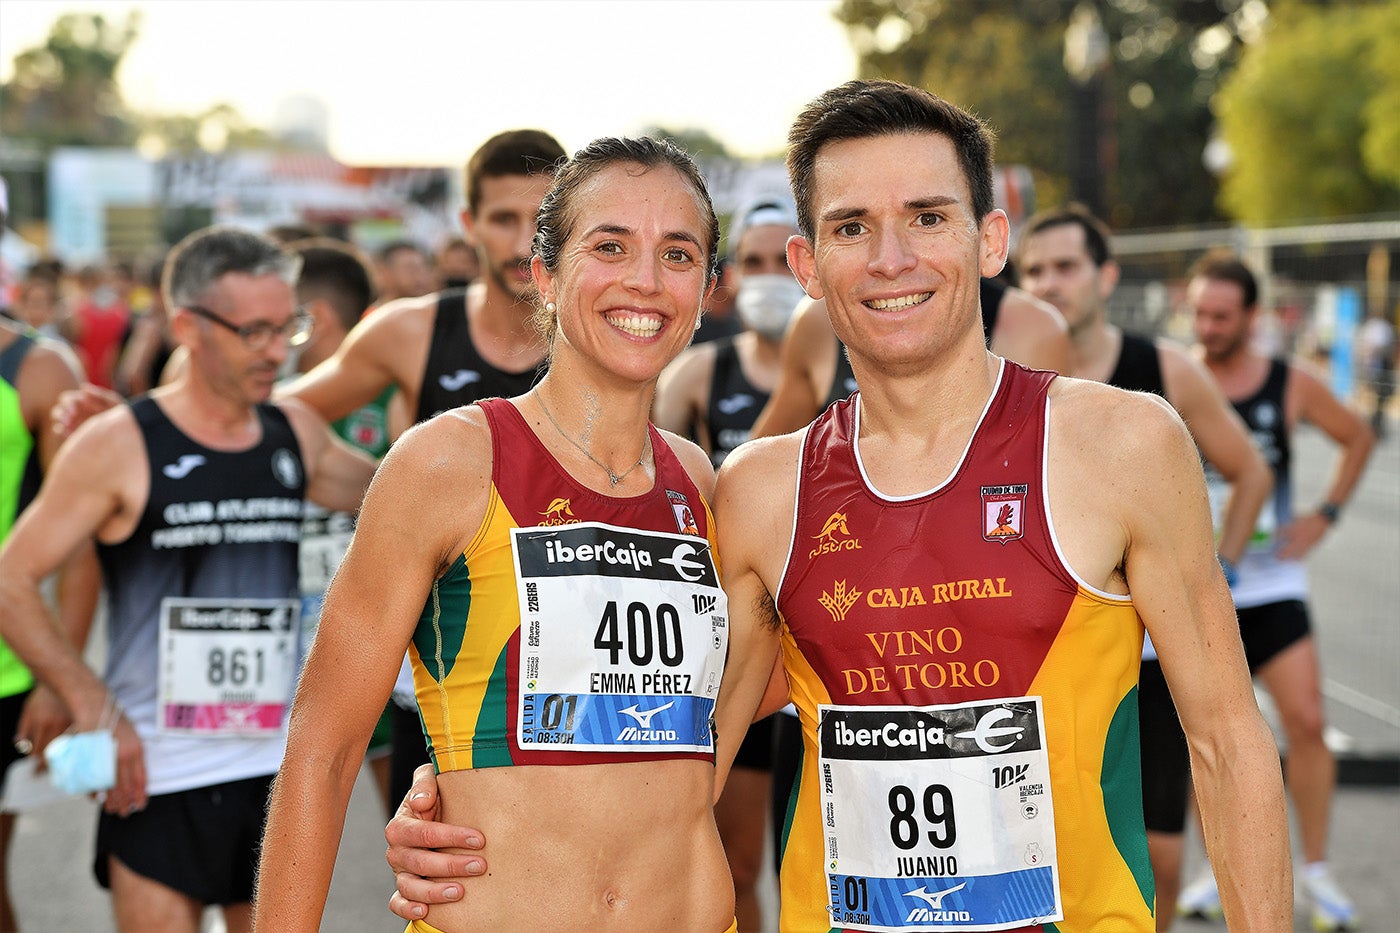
766 302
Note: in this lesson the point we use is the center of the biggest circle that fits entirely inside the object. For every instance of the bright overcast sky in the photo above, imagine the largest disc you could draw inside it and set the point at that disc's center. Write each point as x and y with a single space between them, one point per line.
426 81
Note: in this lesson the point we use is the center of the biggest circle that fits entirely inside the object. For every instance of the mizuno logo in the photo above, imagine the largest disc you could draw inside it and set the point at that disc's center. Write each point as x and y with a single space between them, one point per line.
934 899
182 467
934 912
734 404
644 717
458 379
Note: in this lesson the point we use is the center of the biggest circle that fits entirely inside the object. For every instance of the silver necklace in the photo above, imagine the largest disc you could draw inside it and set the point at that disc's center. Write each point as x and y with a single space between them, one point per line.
613 478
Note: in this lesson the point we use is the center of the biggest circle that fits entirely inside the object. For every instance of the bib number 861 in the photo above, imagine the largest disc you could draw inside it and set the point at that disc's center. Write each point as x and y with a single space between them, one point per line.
232 666
937 812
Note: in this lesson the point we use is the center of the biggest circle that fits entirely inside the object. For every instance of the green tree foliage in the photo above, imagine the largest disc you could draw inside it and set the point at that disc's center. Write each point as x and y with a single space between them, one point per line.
1311 117
217 128
1005 59
1381 143
65 91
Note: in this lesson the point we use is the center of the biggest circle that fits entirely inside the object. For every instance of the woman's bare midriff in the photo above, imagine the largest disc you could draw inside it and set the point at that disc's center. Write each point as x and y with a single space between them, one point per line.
599 847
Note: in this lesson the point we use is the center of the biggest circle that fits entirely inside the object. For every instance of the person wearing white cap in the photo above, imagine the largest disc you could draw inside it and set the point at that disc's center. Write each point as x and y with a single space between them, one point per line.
713 392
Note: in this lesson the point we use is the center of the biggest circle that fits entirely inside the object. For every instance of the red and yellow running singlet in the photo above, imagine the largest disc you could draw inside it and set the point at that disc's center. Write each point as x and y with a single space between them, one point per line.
968 706
575 628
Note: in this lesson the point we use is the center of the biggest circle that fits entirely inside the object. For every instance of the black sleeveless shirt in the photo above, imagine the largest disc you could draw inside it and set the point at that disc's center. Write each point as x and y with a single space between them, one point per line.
1263 413
1139 368
456 374
734 402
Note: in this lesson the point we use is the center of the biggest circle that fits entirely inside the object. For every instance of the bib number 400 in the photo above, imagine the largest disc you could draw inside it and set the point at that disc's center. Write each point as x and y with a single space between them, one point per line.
646 634
937 811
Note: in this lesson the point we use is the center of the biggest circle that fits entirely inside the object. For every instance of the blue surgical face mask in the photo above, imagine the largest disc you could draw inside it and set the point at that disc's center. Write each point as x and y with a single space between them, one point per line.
83 762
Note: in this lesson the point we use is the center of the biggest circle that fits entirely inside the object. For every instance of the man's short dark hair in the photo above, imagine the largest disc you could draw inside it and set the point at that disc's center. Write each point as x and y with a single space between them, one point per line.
389 250
864 109
334 270
514 152
1097 240
1224 265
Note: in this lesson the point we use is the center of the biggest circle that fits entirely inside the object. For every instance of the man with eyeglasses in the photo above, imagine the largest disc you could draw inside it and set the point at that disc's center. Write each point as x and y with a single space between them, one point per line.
194 496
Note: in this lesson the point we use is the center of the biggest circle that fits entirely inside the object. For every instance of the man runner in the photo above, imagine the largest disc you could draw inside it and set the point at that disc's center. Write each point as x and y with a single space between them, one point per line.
194 496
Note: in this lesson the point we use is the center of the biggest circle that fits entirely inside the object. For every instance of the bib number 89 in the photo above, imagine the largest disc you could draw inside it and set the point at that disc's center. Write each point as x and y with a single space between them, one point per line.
646 635
937 811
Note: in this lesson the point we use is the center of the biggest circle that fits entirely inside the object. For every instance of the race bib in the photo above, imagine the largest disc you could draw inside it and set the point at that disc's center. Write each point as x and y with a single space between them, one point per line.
623 639
1265 527
325 537
938 817
227 666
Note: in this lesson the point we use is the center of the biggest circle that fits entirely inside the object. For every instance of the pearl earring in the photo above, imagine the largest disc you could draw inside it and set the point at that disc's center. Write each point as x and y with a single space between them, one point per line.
699 318
550 307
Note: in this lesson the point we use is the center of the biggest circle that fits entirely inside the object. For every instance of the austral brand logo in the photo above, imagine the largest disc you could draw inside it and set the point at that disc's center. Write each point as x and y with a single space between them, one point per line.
838 602
834 536
559 512
1003 509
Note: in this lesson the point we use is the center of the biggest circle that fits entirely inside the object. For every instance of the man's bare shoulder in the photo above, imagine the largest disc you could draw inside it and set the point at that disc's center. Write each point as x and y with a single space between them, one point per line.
762 466
811 322
1109 418
400 319
1306 374
1031 332
302 416
50 368
693 367
55 359
1177 359
102 446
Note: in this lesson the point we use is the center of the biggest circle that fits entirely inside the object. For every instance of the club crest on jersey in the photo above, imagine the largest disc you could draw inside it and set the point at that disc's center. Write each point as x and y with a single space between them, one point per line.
834 536
286 468
1003 510
685 518
839 601
559 512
